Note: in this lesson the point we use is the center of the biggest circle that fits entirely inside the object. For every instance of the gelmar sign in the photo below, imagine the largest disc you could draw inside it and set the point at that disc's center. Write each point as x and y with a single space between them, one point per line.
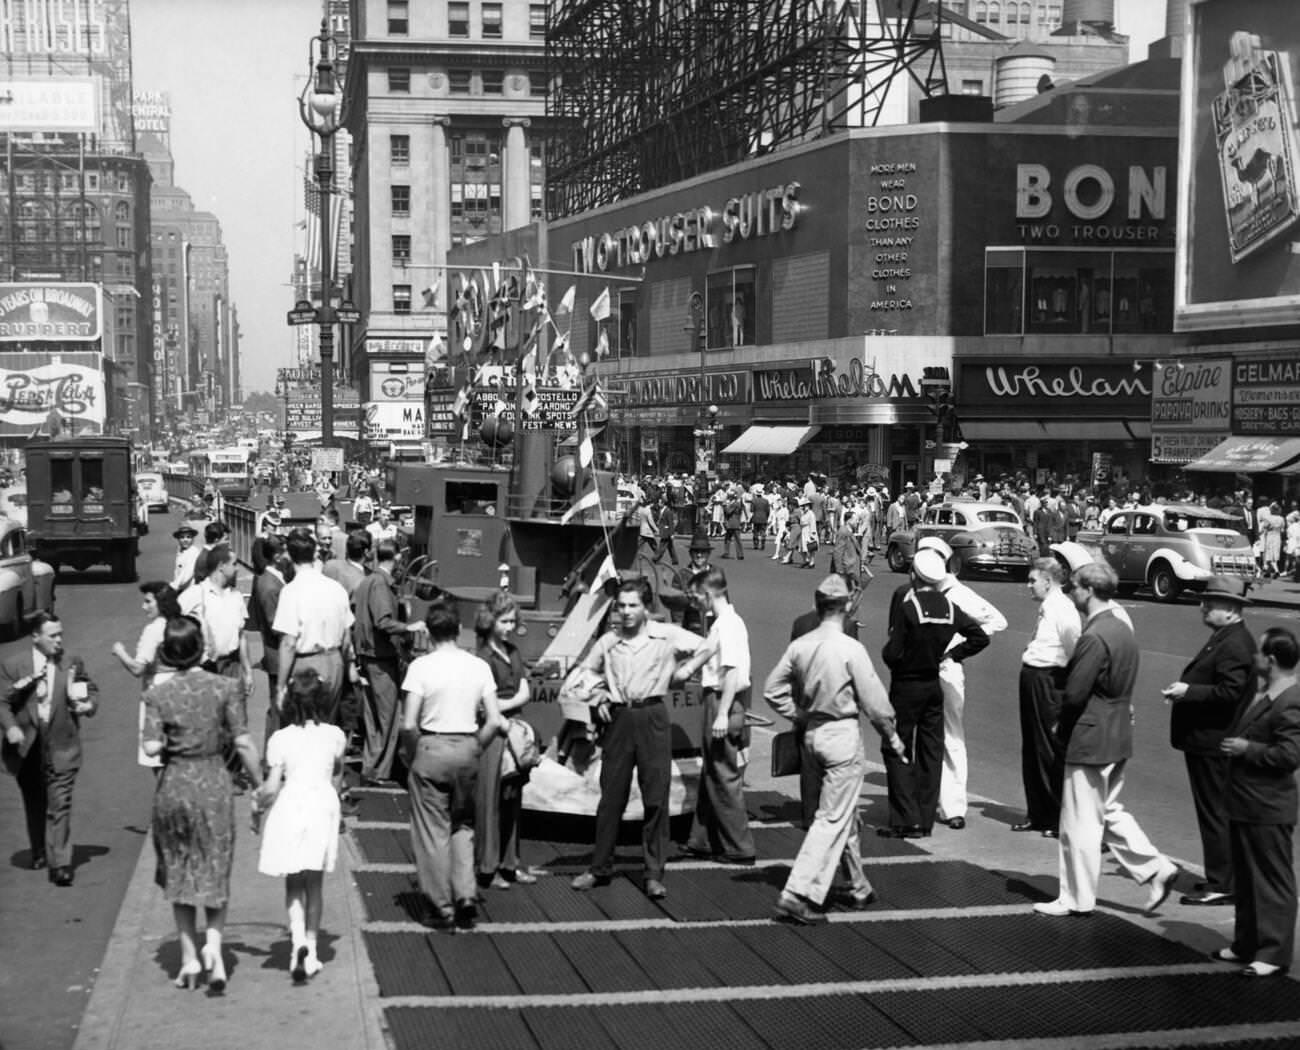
743 217
51 312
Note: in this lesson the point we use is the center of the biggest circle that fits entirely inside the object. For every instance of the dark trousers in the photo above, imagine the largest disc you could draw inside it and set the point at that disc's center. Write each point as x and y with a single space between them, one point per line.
760 535
1265 891
380 718
1208 775
1042 759
914 784
47 805
729 537
668 547
637 738
721 824
498 807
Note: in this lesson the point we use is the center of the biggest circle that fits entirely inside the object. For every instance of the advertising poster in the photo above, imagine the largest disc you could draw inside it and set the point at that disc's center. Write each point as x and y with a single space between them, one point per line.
75 391
1191 408
1239 167
32 312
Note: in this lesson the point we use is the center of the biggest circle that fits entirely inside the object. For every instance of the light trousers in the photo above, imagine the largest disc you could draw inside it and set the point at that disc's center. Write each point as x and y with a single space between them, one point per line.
952 781
1091 814
835 750
442 781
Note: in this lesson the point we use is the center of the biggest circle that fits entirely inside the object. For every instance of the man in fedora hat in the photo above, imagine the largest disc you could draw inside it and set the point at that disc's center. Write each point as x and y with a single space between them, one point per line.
693 619
186 556
1205 699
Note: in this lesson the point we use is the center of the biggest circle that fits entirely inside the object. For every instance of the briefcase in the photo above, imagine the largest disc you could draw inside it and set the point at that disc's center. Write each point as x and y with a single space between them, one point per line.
786 748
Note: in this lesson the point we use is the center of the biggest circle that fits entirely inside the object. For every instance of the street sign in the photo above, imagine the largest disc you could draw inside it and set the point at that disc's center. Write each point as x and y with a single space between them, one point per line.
327 459
347 312
302 313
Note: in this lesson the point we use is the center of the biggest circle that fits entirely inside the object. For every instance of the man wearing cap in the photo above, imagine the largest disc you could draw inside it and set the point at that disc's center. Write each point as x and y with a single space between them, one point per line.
923 621
1096 728
911 504
1204 701
1042 679
952 679
823 683
731 522
637 662
186 555
760 512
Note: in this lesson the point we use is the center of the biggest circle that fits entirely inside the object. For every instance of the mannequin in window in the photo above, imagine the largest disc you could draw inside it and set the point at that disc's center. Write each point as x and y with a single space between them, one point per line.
738 321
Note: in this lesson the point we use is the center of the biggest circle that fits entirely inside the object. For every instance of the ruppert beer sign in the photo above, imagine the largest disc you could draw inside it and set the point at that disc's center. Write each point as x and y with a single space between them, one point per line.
50 312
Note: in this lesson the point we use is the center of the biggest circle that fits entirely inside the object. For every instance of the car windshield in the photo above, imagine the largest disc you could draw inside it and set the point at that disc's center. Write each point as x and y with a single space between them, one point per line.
998 517
1177 521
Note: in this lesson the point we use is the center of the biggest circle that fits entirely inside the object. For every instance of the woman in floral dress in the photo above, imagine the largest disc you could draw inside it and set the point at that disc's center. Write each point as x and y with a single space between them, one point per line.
187 718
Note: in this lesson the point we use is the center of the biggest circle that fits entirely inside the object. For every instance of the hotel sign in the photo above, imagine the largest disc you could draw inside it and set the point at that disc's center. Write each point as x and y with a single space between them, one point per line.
62 104
50 312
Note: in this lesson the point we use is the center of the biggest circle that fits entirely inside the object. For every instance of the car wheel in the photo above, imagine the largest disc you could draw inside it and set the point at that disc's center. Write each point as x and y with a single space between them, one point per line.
895 558
1165 586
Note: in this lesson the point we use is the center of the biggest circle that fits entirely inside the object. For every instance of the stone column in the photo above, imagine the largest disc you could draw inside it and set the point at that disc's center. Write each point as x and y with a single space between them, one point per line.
516 202
440 212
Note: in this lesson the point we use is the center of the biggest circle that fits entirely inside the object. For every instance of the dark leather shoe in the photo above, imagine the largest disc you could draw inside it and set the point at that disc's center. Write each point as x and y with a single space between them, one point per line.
466 914
61 876
1206 900
747 861
911 831
956 823
39 863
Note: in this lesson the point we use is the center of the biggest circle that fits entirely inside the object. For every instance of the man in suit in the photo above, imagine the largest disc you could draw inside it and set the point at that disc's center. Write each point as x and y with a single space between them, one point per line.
40 713
1096 728
1206 700
262 604
1263 752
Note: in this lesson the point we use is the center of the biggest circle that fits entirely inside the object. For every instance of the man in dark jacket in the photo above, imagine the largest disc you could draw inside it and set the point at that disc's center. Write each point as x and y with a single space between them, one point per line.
1206 699
1096 728
1263 750
732 511
760 514
922 621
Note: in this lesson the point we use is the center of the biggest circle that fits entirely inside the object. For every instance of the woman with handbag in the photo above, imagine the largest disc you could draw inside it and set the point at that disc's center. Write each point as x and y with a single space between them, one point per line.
499 799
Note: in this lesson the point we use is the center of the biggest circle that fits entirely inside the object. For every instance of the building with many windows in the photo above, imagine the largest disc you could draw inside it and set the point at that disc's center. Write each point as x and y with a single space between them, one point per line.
445 102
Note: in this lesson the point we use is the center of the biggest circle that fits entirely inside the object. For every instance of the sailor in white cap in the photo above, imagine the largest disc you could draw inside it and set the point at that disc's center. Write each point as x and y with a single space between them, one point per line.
952 678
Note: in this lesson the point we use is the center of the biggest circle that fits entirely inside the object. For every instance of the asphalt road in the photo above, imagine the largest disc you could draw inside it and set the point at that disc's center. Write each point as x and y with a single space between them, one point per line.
52 940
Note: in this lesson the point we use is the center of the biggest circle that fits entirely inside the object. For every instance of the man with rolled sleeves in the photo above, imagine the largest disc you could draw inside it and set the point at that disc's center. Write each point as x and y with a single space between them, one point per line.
1263 751
637 662
1205 701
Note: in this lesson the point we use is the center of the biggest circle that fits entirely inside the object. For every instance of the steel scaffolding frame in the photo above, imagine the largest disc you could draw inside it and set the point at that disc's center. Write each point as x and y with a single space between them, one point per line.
644 93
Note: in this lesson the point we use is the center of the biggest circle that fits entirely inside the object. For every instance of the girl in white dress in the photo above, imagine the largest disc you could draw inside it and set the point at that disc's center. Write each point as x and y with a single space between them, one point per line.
300 833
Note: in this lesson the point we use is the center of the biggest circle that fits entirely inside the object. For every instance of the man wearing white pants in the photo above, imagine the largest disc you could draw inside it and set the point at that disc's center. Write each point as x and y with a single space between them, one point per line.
1096 725
952 679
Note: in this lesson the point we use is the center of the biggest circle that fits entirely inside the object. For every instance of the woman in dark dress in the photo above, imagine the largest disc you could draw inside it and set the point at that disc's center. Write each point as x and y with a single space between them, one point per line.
187 718
499 801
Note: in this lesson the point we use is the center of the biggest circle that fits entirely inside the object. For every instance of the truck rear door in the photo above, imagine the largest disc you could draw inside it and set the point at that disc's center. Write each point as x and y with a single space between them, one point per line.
115 486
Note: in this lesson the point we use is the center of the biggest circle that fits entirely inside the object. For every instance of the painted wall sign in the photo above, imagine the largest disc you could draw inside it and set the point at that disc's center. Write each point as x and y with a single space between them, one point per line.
74 391
1091 387
52 312
1266 396
722 388
1192 395
825 378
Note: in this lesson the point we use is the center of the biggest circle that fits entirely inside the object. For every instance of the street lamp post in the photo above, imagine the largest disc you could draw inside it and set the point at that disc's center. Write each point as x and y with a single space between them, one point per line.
318 106
705 418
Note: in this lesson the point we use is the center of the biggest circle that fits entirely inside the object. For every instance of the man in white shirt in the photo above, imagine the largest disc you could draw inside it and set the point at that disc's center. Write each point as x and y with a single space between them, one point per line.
186 555
720 830
219 607
383 528
1042 680
952 679
314 620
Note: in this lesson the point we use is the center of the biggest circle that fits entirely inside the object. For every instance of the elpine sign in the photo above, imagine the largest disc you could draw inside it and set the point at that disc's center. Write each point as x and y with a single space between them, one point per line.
1192 395
31 312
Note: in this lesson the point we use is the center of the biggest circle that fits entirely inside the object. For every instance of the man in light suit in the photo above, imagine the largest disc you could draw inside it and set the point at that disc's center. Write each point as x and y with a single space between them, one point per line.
40 713
1206 700
1263 752
1096 728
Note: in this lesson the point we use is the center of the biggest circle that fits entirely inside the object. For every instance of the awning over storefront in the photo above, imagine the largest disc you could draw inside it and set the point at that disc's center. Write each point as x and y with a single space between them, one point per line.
770 441
1053 430
1249 455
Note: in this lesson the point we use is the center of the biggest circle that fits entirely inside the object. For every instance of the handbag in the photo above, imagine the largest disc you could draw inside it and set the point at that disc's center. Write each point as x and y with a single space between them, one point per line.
522 754
786 753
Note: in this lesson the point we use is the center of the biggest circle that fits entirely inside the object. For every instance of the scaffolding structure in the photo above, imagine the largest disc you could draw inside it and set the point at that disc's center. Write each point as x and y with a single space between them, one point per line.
644 93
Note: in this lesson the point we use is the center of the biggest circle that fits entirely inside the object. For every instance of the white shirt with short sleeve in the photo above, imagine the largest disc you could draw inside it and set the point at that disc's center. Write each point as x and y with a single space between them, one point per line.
1056 633
729 639
451 685
315 610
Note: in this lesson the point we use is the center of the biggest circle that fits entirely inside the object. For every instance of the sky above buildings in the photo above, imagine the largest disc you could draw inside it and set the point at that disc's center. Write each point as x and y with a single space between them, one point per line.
234 70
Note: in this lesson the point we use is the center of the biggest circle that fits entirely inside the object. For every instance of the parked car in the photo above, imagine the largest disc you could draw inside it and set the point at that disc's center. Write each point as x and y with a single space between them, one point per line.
153 490
26 584
13 503
984 537
1171 547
